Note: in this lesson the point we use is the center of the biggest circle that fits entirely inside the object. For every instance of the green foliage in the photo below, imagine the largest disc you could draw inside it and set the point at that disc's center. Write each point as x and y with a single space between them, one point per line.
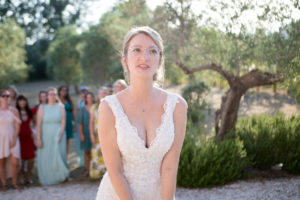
291 158
204 163
54 14
12 54
194 93
36 58
63 56
271 140
99 59
125 15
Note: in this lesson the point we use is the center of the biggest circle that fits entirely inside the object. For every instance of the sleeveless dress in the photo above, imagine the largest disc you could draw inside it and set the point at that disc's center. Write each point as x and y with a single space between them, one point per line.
97 167
52 157
7 130
84 120
26 140
141 165
79 151
69 119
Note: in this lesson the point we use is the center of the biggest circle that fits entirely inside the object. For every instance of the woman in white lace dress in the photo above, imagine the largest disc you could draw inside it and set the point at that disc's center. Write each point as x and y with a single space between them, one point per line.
142 128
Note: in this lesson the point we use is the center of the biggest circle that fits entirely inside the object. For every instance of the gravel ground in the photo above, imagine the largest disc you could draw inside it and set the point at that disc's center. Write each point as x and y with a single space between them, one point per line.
262 189
281 189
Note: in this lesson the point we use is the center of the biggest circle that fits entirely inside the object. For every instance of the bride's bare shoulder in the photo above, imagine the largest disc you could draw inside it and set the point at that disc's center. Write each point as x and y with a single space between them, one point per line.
105 111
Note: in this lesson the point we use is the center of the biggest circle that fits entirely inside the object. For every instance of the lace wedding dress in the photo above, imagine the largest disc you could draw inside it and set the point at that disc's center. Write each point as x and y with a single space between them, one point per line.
141 165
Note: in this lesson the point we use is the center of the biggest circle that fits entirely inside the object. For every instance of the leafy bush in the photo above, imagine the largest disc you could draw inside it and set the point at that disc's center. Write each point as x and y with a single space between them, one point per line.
256 132
204 163
194 94
291 160
271 140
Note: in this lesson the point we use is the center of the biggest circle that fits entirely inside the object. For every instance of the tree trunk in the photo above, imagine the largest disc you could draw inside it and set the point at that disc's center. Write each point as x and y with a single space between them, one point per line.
226 116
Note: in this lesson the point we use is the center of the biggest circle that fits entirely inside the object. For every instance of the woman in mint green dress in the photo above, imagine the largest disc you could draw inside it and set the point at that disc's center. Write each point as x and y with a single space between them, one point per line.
51 141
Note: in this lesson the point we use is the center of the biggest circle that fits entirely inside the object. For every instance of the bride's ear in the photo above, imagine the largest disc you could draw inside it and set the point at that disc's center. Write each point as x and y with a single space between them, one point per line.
124 62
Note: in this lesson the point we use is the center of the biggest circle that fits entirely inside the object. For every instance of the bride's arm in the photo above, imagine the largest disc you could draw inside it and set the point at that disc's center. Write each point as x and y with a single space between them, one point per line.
170 162
110 151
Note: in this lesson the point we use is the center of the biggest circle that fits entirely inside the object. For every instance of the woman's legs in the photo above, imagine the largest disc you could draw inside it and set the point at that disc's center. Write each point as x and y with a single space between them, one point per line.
14 170
2 174
87 160
29 169
22 172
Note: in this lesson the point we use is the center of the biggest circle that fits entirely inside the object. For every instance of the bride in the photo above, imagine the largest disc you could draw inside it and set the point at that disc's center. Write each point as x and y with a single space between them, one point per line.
142 128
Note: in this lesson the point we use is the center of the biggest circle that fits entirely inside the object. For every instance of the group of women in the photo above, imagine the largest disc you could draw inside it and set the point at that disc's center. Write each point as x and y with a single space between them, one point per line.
45 132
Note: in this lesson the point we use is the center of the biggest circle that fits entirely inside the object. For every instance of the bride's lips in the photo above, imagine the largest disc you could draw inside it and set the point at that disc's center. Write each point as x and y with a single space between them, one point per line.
143 66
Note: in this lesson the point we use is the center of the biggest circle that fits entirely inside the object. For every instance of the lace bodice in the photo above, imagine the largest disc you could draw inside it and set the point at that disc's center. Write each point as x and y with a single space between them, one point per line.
141 165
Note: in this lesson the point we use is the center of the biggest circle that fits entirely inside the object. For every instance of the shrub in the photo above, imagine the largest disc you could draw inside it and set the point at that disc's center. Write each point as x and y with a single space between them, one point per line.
271 140
291 160
256 133
194 94
204 163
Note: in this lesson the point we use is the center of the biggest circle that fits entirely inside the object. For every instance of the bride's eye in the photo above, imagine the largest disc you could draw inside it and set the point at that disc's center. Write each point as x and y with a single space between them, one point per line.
136 50
153 51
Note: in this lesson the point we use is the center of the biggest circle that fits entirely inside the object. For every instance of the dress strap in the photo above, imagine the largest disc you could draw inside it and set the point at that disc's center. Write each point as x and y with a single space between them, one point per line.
114 105
171 103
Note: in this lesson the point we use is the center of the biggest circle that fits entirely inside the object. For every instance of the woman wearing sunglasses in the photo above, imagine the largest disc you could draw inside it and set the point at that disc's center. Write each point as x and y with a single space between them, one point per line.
9 143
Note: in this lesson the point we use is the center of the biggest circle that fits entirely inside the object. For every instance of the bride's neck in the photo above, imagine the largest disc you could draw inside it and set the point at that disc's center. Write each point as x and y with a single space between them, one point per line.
141 90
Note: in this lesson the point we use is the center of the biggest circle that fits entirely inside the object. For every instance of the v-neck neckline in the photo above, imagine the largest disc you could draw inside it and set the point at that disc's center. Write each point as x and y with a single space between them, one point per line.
162 117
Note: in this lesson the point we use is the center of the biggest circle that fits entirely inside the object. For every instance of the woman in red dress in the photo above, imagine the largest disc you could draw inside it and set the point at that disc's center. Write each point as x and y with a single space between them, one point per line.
26 138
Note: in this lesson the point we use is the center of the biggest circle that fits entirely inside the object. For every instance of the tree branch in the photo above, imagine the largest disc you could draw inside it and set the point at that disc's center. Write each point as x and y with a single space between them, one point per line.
227 75
256 78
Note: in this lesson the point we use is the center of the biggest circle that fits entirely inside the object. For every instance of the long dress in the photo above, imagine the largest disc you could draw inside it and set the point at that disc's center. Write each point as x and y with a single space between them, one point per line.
26 140
7 130
79 151
97 167
141 165
52 157
69 119
84 120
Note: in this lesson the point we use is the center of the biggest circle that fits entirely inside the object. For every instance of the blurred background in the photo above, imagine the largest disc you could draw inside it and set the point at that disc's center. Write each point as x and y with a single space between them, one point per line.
77 42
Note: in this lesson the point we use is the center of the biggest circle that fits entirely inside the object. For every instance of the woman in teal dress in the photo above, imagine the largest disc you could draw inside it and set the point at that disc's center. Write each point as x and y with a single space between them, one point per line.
64 96
79 151
83 124
51 141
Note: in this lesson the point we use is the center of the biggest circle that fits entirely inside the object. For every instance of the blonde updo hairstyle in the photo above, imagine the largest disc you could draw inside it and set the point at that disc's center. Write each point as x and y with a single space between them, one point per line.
159 75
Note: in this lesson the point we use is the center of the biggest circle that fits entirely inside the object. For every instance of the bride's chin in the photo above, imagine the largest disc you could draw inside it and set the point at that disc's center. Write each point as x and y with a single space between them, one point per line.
143 77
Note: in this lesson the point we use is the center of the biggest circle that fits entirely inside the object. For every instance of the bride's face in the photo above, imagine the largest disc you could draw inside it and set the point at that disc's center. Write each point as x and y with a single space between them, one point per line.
142 59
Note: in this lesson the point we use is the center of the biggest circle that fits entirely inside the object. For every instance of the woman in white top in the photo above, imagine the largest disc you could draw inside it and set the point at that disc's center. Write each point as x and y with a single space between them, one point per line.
142 128
9 141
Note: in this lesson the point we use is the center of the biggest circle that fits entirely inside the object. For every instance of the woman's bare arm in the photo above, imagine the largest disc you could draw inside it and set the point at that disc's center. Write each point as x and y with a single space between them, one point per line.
170 162
38 125
62 122
16 127
110 151
91 126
